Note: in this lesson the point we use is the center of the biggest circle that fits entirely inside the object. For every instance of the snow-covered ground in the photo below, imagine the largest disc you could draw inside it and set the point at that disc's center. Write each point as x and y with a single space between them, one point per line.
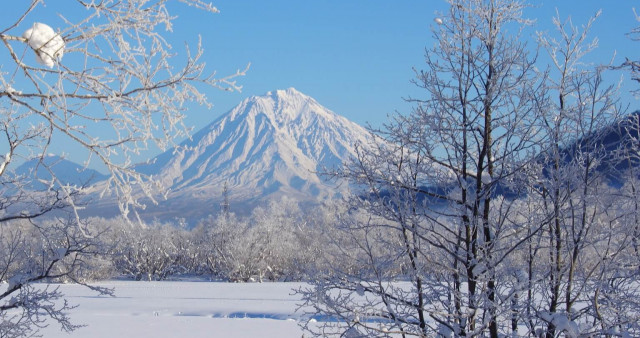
184 309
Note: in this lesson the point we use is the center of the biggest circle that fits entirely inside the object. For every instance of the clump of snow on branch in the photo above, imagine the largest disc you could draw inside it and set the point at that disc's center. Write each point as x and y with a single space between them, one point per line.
48 45
562 323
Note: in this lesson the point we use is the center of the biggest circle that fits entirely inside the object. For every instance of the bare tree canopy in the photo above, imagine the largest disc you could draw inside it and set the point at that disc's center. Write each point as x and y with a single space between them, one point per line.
487 210
102 76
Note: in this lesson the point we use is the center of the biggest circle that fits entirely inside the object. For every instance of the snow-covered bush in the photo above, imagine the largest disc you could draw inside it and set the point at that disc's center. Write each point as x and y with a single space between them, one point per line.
277 242
220 240
152 252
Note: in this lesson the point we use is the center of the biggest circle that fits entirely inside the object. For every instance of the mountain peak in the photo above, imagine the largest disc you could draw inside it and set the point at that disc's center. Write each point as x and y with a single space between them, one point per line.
281 106
283 93
268 145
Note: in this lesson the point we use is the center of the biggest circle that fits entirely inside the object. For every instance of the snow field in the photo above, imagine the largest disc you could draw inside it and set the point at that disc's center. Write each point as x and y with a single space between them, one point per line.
183 309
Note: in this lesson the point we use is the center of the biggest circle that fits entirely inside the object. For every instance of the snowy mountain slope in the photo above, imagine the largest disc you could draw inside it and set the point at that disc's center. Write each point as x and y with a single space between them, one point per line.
265 147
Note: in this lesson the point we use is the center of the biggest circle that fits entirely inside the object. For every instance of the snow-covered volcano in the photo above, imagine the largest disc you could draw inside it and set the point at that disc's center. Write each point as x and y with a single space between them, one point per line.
265 147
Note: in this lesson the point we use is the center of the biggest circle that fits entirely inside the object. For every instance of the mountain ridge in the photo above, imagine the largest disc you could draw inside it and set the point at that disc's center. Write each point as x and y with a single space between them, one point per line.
66 172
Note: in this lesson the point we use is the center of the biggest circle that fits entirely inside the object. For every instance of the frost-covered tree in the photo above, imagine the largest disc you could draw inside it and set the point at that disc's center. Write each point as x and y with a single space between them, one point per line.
222 247
495 207
32 251
437 180
576 208
277 242
101 75
153 252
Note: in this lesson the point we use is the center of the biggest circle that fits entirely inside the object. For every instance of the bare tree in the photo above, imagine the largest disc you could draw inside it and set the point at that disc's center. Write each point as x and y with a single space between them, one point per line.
504 204
112 69
579 214
32 252
438 181
104 79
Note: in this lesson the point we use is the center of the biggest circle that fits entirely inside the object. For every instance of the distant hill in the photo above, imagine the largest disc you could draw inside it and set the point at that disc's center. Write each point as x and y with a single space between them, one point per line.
616 147
621 142
39 170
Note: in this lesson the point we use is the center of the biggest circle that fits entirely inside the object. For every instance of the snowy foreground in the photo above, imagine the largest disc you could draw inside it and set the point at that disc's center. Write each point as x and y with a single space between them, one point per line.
184 309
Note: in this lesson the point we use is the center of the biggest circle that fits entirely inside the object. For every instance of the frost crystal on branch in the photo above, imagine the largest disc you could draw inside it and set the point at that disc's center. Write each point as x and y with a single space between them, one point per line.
48 45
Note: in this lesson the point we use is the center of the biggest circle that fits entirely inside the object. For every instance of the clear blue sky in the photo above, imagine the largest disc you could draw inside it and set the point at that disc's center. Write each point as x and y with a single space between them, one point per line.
354 56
